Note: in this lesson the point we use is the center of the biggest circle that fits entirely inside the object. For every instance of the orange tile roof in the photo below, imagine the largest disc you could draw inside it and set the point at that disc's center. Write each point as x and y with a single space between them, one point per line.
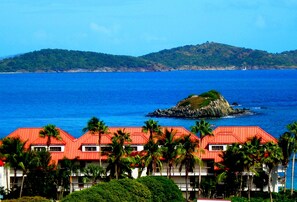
226 135
73 147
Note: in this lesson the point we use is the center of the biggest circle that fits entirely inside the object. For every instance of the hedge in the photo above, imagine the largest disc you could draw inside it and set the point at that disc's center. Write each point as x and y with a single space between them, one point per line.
145 189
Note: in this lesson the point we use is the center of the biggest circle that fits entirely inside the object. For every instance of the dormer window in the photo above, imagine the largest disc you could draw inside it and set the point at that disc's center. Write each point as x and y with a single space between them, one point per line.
90 148
55 149
217 147
39 148
87 148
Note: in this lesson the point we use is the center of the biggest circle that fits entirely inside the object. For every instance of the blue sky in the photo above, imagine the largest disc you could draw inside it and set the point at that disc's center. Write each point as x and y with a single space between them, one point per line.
138 27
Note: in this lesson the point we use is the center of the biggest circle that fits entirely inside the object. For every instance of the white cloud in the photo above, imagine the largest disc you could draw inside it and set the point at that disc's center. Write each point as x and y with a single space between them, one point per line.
40 35
103 29
151 38
260 22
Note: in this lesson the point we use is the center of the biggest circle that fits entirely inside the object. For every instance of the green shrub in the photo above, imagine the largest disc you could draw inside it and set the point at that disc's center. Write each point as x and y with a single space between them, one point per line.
28 199
138 191
162 188
124 190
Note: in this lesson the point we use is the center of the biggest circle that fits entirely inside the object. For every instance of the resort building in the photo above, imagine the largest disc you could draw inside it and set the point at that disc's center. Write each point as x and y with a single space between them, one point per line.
85 150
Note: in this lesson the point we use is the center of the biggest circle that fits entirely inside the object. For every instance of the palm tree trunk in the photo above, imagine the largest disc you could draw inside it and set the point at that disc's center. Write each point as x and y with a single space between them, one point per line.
186 184
292 176
116 171
168 169
99 143
199 178
249 188
7 177
240 186
22 184
70 180
269 186
14 178
199 183
285 179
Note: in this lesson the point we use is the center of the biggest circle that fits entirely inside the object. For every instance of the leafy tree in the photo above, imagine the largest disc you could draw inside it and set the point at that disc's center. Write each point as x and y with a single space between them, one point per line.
272 156
251 158
152 157
41 180
152 127
169 144
286 143
232 168
50 131
119 161
97 126
292 128
93 172
12 149
187 157
67 167
27 162
201 129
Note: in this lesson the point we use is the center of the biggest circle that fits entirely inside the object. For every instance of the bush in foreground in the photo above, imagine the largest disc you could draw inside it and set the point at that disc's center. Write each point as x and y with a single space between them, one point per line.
28 198
143 189
162 188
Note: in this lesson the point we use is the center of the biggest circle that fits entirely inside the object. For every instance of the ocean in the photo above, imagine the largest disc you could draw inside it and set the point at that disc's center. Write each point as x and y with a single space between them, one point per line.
69 100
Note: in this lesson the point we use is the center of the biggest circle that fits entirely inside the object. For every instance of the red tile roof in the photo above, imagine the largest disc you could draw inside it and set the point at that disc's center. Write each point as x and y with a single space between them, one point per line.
73 147
226 135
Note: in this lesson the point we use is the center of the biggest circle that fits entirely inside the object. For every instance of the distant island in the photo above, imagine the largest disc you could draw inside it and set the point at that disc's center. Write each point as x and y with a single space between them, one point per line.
210 104
206 56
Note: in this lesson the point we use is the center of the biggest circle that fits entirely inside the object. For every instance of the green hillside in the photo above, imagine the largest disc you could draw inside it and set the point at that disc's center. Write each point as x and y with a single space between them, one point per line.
56 60
209 55
212 54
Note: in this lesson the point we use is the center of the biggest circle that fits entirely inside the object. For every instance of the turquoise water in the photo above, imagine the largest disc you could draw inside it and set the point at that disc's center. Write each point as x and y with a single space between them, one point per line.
69 100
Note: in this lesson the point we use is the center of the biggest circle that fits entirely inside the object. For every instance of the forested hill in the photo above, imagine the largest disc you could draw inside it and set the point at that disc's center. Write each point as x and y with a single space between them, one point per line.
57 60
209 55
216 55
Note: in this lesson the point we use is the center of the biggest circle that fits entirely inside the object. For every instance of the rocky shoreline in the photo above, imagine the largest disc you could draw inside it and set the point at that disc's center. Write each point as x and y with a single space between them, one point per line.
188 108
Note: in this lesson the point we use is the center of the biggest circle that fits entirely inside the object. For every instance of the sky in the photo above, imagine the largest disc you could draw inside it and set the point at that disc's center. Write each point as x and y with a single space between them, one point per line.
139 27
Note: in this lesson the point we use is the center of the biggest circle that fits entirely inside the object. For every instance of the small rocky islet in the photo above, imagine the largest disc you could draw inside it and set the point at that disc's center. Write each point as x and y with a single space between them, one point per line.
210 104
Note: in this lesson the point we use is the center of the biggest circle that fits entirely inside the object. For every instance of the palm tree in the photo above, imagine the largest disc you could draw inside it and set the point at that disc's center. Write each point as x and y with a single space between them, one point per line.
272 156
50 131
152 127
292 127
67 168
96 126
12 150
119 162
286 143
251 158
187 157
93 172
201 129
169 148
27 162
232 166
152 157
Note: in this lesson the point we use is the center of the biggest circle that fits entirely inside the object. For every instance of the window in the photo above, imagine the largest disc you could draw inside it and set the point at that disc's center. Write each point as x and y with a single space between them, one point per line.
55 149
39 148
133 148
91 148
80 182
217 148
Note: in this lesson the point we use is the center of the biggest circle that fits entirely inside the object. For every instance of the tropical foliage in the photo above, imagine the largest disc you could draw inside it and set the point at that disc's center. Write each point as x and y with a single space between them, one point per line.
50 132
97 126
242 165
155 189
